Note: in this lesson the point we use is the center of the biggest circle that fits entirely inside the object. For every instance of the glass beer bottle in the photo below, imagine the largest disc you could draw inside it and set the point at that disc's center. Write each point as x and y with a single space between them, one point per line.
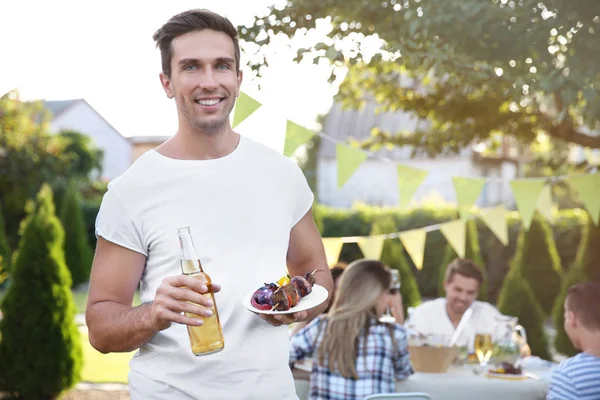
208 337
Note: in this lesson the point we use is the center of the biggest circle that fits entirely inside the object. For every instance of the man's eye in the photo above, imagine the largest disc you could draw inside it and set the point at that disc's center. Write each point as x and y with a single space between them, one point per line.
222 66
190 67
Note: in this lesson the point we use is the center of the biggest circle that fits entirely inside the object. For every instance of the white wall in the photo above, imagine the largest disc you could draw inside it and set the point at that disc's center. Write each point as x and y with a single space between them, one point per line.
375 182
117 150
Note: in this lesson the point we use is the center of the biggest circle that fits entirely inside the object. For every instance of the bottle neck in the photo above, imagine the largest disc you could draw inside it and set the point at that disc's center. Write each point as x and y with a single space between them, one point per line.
190 263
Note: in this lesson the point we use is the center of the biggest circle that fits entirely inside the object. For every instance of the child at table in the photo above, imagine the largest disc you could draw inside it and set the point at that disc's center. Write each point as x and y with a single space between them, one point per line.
354 354
578 378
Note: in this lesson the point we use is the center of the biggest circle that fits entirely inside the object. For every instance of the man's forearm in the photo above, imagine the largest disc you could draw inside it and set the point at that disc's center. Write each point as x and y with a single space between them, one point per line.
114 327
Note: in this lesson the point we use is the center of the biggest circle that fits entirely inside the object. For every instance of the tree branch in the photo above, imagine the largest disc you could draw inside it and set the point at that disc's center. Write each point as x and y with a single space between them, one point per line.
568 134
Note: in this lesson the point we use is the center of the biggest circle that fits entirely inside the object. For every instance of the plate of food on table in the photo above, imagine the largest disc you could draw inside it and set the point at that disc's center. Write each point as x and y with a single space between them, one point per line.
507 371
286 296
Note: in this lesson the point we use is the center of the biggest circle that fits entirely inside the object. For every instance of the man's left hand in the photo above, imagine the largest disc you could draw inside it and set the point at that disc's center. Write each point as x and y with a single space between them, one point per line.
284 319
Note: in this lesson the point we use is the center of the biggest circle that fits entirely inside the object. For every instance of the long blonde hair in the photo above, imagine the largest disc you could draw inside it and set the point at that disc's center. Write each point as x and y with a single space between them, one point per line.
354 306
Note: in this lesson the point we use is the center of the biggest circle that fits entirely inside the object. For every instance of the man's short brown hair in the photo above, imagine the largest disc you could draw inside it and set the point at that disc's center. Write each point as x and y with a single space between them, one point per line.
189 21
583 300
464 267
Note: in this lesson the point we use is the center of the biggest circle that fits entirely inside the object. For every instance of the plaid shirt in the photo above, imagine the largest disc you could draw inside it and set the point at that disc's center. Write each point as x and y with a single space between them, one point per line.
383 364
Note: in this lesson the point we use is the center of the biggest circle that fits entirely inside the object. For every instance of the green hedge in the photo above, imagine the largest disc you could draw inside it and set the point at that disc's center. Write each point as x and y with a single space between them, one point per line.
334 222
585 268
78 253
517 299
538 262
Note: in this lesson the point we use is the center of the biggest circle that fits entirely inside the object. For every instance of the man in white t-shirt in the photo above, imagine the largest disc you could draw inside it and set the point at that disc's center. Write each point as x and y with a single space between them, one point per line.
440 317
249 210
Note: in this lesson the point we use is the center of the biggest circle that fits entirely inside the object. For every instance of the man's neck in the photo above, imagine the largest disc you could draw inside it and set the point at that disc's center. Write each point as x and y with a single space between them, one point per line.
590 343
190 145
454 318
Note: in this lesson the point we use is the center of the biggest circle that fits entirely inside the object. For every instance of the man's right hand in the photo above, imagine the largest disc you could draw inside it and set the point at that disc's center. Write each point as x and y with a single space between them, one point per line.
174 297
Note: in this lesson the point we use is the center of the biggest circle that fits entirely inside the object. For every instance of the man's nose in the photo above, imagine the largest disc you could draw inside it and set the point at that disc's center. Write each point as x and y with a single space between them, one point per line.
207 80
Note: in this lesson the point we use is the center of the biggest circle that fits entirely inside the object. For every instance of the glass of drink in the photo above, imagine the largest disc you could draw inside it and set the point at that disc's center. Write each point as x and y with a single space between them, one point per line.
394 288
483 348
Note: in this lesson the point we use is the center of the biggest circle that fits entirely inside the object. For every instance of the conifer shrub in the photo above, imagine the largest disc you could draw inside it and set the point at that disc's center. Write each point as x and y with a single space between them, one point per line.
40 346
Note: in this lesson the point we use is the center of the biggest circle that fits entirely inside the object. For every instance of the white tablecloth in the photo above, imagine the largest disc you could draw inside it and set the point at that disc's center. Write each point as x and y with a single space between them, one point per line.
460 383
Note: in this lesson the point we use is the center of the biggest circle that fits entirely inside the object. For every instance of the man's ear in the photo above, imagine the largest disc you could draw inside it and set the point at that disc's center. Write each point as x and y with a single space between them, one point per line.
571 319
239 81
165 81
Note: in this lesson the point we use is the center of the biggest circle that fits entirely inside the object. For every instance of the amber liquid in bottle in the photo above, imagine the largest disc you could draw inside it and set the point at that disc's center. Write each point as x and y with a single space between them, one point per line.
208 337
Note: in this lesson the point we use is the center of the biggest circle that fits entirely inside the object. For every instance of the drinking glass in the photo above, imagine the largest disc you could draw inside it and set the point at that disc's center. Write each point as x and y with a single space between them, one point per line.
483 348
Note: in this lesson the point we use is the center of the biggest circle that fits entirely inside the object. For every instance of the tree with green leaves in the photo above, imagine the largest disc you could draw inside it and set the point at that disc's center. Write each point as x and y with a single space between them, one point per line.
475 69
538 262
585 268
30 155
78 253
472 252
4 251
40 348
518 300
393 256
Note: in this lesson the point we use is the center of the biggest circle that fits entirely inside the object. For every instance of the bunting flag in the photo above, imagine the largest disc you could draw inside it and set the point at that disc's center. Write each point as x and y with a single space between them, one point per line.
496 221
244 107
544 204
295 136
467 191
371 246
414 243
332 246
456 234
409 180
348 160
526 193
588 187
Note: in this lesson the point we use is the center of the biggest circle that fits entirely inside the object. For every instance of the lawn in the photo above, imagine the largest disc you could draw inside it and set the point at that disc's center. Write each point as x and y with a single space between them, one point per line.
101 368
80 299
98 367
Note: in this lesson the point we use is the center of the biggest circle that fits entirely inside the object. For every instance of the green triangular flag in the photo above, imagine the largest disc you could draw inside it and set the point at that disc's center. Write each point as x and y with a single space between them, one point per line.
244 107
526 193
544 204
295 136
409 180
414 243
495 219
467 192
456 234
348 160
371 246
588 187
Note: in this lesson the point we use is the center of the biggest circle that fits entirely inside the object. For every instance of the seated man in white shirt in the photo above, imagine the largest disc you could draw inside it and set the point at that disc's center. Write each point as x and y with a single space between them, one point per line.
440 317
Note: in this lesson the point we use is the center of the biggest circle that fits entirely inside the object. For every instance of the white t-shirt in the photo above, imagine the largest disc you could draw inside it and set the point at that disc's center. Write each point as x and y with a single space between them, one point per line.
431 318
240 209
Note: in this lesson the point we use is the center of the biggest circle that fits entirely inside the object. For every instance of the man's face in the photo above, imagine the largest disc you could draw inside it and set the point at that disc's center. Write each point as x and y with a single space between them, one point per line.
571 326
204 80
460 293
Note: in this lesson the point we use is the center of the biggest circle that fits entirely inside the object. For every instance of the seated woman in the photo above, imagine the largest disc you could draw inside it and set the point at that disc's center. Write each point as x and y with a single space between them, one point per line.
354 354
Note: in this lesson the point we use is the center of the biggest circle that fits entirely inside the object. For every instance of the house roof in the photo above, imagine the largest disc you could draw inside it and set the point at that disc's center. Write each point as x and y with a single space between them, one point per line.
342 124
56 107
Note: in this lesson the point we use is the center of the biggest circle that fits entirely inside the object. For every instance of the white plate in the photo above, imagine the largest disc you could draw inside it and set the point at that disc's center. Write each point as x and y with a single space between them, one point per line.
317 296
508 377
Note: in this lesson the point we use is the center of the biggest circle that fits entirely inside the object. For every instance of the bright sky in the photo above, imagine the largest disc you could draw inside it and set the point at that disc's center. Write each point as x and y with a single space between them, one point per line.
103 52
